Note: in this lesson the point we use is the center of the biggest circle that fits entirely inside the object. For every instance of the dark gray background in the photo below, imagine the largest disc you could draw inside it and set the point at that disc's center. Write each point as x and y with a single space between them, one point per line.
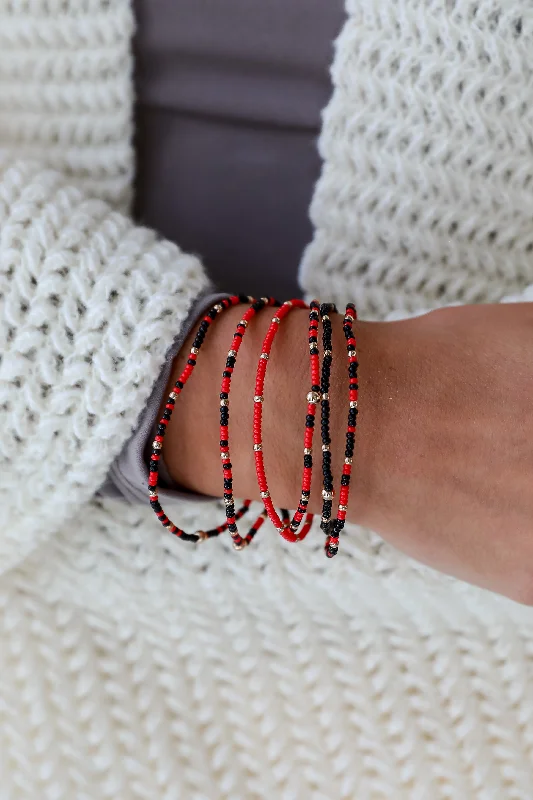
229 94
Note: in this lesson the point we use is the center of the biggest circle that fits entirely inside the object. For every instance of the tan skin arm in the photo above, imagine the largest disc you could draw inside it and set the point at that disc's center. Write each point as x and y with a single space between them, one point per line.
443 466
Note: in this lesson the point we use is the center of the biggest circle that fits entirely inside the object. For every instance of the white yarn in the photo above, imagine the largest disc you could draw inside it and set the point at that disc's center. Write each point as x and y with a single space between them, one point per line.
89 307
66 91
426 196
133 666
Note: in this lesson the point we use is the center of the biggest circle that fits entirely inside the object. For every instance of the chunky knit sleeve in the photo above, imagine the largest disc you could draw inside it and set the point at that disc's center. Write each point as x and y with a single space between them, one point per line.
89 305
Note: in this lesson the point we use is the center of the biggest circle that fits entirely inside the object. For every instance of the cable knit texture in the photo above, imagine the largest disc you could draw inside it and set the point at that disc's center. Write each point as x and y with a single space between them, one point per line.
89 305
426 196
135 667
66 90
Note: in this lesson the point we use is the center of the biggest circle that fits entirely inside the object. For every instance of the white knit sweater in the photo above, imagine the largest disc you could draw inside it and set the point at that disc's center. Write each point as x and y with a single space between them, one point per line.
133 666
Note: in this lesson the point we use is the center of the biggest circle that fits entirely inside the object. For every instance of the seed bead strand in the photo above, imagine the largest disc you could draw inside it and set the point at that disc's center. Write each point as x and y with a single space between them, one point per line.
332 541
328 492
281 526
157 444
239 542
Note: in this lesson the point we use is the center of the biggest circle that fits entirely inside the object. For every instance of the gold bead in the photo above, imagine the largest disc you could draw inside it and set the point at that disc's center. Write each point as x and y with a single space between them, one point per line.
328 352
202 536
258 447
243 323
237 546
232 353
308 451
229 501
352 353
224 456
264 495
353 403
327 495
194 351
219 307
348 460
325 317
258 398
313 397
325 396
288 303
264 356
224 402
157 445
276 319
264 299
172 395
325 448
343 508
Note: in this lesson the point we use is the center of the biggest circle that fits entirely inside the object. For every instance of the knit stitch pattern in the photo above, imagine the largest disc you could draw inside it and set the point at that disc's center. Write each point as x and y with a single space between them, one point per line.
137 667
89 305
426 196
66 90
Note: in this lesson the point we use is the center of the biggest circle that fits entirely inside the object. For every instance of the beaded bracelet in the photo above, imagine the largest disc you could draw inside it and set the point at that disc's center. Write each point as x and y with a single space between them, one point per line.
157 444
328 491
332 540
287 531
239 542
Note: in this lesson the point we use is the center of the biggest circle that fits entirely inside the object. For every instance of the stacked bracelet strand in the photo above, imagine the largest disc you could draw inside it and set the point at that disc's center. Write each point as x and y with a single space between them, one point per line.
239 542
332 540
328 492
290 531
157 444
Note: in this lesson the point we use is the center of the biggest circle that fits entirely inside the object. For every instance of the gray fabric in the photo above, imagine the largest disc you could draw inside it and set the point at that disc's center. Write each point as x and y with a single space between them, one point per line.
128 475
229 96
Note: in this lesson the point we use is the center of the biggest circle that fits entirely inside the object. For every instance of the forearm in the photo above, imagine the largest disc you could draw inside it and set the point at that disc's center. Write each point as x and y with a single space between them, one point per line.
192 442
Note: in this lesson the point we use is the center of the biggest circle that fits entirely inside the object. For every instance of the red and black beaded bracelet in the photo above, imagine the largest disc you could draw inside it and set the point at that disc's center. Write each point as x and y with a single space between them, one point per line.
332 540
328 491
157 444
288 531
239 542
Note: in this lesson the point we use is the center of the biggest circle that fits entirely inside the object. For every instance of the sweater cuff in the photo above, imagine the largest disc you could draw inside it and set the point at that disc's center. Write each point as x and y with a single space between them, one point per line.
128 475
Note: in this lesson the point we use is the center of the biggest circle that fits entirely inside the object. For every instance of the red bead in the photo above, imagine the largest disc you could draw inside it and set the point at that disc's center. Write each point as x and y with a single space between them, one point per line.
279 524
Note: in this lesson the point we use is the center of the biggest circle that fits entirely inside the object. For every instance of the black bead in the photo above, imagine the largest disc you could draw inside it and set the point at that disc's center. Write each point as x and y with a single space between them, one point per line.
345 480
224 443
308 461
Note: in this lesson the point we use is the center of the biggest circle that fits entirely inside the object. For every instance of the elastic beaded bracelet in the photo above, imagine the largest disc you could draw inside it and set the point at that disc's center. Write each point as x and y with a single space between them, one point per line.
287 530
239 542
157 444
332 541
328 491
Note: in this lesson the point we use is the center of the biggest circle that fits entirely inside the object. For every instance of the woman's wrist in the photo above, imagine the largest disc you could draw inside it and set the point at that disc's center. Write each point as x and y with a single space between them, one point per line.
192 442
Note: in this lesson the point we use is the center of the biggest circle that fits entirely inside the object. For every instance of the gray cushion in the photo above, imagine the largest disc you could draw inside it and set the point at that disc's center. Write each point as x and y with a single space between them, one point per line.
228 112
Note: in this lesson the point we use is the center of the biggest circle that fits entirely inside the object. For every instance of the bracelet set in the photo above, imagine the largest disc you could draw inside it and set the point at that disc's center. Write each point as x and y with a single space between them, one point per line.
293 529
